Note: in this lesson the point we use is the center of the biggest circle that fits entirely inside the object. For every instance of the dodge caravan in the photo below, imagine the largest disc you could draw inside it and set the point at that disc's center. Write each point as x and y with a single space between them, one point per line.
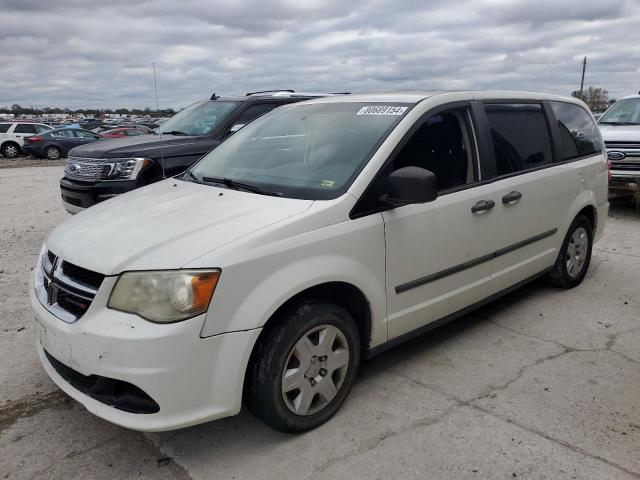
322 233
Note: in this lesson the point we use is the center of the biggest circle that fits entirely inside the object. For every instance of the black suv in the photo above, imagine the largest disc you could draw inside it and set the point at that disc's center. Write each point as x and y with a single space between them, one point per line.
108 168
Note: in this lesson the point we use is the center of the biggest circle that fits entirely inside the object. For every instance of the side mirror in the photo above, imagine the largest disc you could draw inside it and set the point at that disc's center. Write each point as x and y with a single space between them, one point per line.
409 185
235 128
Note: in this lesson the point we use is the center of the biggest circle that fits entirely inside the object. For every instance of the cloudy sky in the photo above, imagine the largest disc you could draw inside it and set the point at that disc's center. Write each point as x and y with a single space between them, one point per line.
88 53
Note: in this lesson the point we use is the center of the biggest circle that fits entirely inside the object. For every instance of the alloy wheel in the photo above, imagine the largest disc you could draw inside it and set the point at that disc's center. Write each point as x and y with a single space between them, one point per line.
53 153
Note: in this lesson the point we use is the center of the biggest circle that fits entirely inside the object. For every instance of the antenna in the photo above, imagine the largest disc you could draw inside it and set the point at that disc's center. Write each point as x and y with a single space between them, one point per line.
155 86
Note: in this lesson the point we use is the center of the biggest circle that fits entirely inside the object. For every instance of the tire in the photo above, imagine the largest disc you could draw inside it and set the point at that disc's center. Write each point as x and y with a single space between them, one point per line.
313 395
52 153
575 254
10 150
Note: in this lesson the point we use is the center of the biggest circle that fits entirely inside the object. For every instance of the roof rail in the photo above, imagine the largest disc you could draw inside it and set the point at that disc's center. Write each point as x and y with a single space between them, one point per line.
270 91
339 93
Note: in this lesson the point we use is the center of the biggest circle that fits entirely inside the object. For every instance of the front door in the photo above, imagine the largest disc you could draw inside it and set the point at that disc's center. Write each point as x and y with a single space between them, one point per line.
438 254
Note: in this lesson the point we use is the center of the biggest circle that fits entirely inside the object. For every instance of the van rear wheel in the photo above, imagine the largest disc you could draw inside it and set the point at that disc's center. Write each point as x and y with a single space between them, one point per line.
304 367
575 254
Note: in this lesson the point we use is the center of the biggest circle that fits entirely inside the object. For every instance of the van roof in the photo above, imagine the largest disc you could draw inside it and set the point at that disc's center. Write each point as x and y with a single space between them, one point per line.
415 96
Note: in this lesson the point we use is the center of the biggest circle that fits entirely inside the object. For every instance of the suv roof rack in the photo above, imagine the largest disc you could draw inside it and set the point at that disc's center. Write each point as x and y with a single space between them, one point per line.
248 94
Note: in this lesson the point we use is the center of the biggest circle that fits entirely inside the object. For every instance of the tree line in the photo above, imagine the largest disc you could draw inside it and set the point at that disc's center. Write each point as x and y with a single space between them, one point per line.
596 98
20 110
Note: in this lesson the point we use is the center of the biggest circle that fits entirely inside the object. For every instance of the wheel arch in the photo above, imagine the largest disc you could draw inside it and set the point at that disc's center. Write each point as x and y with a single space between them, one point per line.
584 204
343 294
10 141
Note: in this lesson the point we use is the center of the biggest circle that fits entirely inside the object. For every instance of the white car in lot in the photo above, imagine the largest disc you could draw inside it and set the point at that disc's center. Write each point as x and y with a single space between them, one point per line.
620 127
322 233
12 135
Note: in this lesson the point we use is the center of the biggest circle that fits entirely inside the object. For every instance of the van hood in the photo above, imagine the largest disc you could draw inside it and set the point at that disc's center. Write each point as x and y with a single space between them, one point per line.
620 133
139 146
164 226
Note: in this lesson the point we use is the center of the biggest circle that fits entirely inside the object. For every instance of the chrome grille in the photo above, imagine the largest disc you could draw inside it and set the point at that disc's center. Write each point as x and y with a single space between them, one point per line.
87 169
622 145
624 158
64 289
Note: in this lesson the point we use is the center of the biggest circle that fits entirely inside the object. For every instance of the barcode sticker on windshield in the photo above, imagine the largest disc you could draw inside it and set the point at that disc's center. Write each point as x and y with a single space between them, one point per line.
381 110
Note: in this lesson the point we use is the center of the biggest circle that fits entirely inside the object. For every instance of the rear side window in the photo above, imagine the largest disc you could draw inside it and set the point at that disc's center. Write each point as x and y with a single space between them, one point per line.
253 112
578 133
4 127
520 135
25 128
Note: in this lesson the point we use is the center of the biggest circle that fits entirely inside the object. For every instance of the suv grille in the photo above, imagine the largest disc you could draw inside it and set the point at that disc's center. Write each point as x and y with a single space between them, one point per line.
87 169
624 156
65 289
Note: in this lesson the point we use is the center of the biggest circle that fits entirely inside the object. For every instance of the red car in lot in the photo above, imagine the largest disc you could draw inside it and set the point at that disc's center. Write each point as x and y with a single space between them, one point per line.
123 132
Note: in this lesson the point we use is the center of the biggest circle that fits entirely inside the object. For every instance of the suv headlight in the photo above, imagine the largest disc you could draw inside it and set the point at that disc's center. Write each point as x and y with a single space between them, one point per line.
124 168
164 296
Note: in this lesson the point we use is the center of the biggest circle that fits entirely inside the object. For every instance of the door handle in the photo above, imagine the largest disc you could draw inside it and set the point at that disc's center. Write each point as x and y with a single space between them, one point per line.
511 197
483 206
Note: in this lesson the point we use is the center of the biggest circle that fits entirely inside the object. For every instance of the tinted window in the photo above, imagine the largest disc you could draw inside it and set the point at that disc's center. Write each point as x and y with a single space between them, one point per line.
24 128
520 136
578 134
62 133
4 127
84 134
440 146
253 112
42 128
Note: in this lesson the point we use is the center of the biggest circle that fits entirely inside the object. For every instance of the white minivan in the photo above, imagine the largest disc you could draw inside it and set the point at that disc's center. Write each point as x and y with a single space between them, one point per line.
322 233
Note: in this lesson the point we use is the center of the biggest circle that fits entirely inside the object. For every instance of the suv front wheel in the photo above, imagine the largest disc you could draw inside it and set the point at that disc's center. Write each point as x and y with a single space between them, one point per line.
303 368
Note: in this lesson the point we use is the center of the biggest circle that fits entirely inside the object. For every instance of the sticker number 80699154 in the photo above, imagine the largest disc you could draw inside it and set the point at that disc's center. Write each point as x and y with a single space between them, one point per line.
381 110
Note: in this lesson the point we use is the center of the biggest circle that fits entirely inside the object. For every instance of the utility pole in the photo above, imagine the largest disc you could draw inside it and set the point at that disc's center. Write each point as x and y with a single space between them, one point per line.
584 67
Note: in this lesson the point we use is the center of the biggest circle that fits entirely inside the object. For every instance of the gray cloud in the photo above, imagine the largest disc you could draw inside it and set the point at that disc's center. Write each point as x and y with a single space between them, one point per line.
79 53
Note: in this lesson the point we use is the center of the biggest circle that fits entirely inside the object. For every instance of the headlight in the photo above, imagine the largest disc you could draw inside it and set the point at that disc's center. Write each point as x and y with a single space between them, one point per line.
164 296
124 168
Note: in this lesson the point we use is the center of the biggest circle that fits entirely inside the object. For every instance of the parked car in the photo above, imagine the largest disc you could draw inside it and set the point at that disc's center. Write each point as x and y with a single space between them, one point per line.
620 127
12 135
55 144
110 168
319 234
90 123
123 132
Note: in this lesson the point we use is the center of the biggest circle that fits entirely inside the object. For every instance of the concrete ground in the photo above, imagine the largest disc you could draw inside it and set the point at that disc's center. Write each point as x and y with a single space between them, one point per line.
544 383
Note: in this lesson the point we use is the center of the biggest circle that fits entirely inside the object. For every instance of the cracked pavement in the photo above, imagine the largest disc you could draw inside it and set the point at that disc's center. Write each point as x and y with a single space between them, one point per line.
544 383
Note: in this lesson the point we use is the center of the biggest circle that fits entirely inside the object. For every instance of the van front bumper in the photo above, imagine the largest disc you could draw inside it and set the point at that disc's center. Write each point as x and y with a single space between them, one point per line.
96 360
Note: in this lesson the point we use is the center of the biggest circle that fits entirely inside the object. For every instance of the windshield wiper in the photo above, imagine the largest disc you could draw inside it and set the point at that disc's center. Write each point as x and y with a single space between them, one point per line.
176 132
192 176
619 123
230 183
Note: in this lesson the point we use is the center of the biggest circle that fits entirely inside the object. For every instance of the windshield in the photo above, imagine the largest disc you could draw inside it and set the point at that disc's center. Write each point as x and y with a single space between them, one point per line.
311 151
198 119
623 112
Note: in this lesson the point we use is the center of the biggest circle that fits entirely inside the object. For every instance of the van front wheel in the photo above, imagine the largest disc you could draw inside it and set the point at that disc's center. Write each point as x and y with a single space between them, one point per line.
304 367
575 254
